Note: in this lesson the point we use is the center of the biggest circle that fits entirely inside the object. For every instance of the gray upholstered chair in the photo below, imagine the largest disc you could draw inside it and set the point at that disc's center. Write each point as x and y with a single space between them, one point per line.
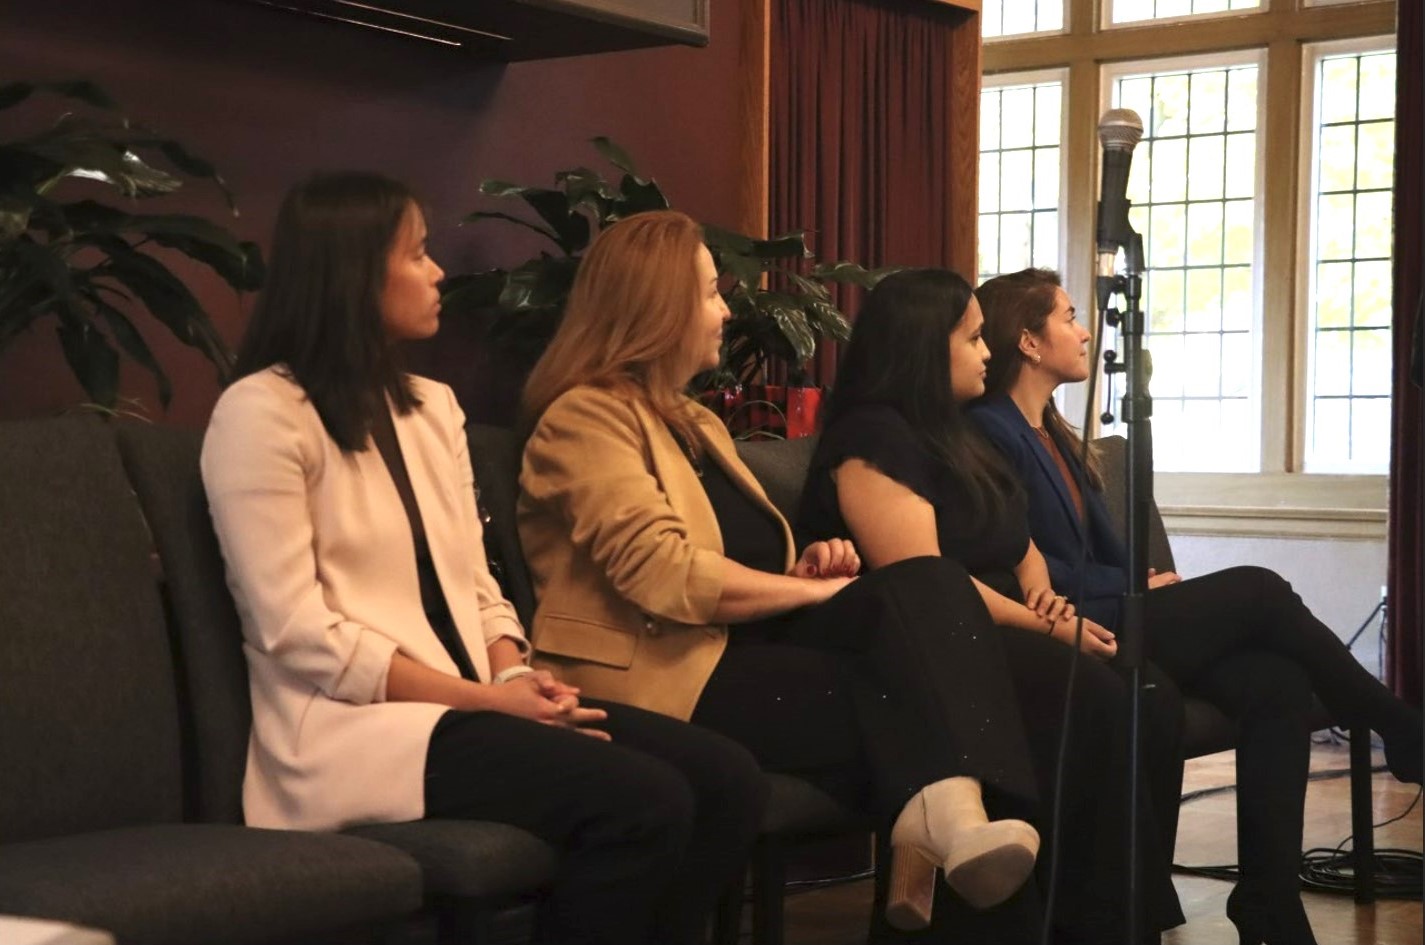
470 868
96 826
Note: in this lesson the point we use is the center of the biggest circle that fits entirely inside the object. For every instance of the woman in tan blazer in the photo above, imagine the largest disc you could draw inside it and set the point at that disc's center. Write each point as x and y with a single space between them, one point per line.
388 674
667 580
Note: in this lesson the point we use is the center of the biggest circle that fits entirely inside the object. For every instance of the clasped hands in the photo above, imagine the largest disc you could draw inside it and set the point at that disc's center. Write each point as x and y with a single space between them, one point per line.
539 697
1061 622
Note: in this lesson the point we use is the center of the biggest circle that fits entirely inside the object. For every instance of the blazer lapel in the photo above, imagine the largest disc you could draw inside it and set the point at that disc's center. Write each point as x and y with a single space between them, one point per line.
673 469
1050 470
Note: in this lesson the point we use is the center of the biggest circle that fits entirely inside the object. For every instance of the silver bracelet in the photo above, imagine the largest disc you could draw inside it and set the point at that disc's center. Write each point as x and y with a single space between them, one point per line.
512 672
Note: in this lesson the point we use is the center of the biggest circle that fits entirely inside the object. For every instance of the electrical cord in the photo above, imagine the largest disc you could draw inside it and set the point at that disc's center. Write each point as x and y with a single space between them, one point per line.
1397 871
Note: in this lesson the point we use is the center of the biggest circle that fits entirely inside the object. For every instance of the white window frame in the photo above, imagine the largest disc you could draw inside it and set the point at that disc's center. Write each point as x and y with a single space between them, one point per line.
1274 503
1311 56
1108 76
1015 37
1010 80
1070 398
1106 16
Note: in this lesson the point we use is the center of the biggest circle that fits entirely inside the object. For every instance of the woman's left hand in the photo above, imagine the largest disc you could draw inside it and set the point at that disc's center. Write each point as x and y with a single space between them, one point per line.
836 557
1048 605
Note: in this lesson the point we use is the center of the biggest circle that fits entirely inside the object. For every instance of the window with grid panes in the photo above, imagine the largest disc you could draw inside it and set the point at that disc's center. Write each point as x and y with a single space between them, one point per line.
1136 11
1015 17
1267 294
1193 186
1349 262
1020 129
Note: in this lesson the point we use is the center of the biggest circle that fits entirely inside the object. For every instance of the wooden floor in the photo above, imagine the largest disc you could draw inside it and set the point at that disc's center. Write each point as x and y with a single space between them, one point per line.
1207 835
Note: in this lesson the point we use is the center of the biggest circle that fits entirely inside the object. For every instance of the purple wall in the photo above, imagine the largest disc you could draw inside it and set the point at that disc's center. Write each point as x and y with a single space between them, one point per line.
269 96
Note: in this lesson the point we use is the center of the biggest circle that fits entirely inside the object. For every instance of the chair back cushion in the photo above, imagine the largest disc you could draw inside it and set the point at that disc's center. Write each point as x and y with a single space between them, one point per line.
495 454
781 467
88 707
162 464
1112 451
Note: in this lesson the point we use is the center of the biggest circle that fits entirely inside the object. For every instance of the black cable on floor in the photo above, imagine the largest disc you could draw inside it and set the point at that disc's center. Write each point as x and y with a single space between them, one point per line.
1397 872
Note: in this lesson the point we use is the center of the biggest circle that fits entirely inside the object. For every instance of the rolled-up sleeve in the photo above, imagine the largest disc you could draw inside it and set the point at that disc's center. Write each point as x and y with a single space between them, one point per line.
255 467
587 462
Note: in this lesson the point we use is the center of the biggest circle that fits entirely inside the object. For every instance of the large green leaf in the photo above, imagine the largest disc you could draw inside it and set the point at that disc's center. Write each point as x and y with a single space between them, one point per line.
167 298
539 284
92 360
828 320
472 291
792 322
133 344
190 164
568 229
479 215
588 190
553 207
849 272
637 196
615 155
239 263
786 246
83 151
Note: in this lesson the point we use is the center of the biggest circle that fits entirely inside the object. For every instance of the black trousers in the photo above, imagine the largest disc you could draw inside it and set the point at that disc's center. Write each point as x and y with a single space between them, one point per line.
898 681
1244 640
1091 832
900 677
653 827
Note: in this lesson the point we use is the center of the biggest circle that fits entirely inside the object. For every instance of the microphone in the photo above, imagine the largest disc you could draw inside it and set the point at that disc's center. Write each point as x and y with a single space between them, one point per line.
1119 131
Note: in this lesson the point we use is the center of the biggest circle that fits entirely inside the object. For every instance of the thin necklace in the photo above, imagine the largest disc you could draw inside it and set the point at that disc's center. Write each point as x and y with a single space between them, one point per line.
689 452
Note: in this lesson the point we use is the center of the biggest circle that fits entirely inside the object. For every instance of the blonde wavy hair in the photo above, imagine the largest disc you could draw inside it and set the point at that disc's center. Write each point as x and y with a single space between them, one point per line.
627 324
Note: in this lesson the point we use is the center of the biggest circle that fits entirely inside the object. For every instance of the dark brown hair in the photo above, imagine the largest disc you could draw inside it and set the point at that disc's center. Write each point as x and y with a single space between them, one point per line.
319 315
1013 304
899 357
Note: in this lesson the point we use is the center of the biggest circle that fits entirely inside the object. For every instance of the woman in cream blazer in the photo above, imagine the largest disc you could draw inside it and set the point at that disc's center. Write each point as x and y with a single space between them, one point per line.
667 580
387 670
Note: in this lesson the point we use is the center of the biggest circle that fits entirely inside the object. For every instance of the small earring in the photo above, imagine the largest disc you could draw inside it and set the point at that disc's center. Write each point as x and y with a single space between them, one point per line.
1038 357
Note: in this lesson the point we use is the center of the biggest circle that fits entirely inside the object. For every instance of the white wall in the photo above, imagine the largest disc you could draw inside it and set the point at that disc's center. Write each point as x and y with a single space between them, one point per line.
1339 579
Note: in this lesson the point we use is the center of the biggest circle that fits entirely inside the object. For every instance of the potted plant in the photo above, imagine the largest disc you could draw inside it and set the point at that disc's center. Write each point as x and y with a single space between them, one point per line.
780 308
91 265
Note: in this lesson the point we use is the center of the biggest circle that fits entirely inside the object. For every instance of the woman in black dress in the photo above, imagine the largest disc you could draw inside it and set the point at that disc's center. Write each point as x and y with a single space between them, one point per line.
902 471
1240 638
668 581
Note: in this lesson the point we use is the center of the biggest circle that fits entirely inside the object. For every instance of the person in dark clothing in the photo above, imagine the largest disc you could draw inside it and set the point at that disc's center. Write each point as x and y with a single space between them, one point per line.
900 468
1240 638
669 581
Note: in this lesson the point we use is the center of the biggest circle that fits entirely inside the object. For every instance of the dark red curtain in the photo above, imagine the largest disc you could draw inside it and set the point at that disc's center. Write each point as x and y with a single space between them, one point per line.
1407 465
860 139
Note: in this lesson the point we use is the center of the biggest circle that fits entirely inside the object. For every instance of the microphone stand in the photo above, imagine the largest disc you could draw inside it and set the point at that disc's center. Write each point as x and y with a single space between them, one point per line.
1137 412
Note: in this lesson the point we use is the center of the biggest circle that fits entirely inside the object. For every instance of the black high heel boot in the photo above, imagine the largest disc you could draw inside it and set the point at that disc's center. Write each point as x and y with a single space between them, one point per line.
1402 752
1270 695
1280 920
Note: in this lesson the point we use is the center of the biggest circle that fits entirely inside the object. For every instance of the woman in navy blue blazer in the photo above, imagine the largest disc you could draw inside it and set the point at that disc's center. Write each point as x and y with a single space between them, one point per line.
1240 638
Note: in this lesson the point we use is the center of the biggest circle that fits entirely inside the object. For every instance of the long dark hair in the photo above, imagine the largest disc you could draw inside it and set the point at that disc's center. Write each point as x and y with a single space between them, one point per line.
1013 304
899 357
319 314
